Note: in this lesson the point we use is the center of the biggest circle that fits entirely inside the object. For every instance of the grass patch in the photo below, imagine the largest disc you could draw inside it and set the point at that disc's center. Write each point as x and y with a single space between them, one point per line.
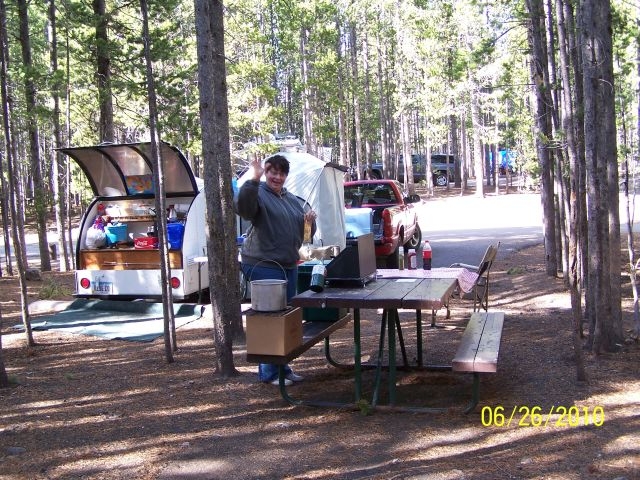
53 290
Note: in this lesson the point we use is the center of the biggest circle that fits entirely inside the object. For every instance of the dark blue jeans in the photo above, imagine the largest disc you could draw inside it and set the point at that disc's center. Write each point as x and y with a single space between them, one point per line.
268 372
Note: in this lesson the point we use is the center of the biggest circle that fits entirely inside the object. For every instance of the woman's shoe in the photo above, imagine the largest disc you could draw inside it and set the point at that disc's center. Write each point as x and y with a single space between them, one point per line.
293 377
287 382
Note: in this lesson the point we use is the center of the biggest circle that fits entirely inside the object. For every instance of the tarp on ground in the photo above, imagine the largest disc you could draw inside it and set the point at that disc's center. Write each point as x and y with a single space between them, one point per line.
137 321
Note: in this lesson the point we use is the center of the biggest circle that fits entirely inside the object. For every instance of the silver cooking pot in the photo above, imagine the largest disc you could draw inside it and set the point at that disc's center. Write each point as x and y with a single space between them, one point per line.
269 295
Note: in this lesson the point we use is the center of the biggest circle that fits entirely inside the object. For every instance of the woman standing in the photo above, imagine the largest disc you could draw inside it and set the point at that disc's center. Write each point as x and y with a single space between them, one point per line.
270 250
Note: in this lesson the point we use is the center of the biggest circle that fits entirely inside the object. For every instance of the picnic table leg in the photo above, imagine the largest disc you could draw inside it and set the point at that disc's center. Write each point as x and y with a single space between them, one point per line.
433 318
357 373
475 394
329 358
419 335
400 339
283 387
383 324
392 363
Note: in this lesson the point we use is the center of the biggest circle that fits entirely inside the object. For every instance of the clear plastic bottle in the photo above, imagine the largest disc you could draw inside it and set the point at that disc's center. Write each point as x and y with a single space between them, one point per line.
412 261
400 258
173 215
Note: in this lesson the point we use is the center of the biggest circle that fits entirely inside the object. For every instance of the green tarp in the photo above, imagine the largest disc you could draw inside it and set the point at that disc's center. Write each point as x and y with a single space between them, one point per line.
137 321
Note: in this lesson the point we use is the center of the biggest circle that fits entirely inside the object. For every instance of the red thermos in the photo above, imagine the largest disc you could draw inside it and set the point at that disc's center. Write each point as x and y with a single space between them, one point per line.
426 255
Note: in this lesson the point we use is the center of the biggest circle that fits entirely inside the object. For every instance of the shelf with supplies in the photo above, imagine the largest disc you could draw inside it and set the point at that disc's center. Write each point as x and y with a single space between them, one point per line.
134 218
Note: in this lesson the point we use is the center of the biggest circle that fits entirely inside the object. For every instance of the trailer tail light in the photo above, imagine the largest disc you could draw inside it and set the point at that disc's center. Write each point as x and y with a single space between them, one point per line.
175 282
85 283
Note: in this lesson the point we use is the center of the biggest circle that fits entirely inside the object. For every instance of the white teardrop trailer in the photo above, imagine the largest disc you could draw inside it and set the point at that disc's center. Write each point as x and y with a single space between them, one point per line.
129 267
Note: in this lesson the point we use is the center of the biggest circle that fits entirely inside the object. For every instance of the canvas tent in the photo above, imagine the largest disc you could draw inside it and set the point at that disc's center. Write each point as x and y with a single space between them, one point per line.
321 184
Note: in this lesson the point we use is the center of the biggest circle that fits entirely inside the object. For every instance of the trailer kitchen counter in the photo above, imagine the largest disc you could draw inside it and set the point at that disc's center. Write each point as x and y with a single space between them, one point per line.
126 258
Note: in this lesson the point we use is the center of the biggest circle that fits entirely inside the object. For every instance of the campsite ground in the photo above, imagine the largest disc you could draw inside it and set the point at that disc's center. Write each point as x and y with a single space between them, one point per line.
88 408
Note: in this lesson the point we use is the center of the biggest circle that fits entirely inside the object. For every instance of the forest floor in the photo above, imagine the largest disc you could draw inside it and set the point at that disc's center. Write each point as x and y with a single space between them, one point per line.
87 408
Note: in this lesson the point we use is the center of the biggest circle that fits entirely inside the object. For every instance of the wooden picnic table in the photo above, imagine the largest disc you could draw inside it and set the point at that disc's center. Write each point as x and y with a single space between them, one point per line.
390 295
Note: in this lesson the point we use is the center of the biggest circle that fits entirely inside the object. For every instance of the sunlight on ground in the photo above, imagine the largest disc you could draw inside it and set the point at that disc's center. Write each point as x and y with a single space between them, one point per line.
552 300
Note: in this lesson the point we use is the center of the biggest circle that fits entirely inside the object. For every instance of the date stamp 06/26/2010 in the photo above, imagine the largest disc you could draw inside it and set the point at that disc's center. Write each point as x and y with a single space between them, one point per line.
536 416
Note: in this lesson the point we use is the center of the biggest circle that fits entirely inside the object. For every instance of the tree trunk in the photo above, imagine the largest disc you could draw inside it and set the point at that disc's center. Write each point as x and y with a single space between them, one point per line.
543 132
4 378
478 152
602 172
6 223
222 249
464 154
103 72
452 148
486 150
382 111
58 164
342 109
636 300
67 200
360 161
307 114
580 172
39 190
158 178
17 234
406 153
561 199
574 213
496 168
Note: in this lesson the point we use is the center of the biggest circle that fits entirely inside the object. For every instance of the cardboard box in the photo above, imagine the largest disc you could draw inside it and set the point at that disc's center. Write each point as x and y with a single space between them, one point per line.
274 333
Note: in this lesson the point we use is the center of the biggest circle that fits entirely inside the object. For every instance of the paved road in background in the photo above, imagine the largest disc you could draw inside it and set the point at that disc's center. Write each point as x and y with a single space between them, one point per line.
459 229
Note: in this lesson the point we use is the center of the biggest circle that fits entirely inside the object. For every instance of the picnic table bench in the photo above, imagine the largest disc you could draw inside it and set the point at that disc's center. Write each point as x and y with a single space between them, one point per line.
478 349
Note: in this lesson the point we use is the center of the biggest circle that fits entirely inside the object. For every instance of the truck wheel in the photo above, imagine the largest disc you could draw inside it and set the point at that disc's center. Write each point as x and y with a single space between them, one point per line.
415 239
376 175
392 260
441 180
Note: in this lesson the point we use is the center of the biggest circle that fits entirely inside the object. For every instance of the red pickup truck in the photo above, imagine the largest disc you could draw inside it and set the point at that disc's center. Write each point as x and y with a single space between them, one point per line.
395 217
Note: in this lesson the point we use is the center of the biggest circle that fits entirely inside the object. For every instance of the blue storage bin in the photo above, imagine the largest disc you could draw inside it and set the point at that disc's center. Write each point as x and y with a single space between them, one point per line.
175 231
116 233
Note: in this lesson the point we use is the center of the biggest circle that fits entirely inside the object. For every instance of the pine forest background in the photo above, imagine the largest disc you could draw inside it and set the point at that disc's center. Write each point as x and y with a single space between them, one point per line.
356 81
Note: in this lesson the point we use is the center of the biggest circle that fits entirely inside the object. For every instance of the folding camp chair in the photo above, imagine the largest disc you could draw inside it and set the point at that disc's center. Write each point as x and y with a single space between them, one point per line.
481 288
